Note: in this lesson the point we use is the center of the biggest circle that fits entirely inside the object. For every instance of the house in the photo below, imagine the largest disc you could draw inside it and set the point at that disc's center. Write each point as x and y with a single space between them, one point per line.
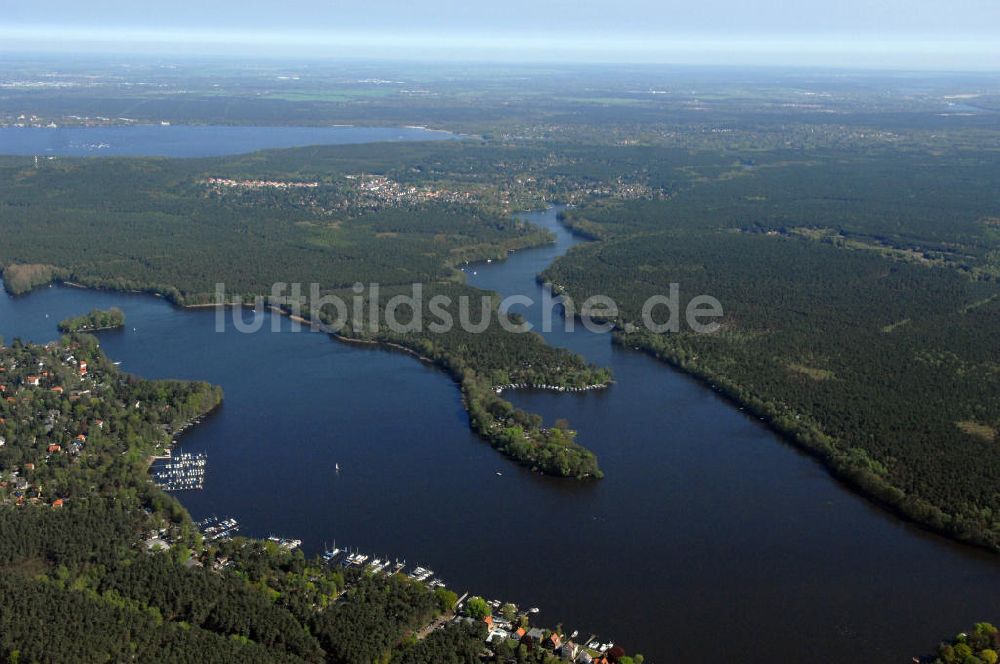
57 503
536 633
57 389
498 636
99 424
82 368
29 466
584 658
3 441
489 622
156 544
33 381
520 632
553 642
80 438
54 449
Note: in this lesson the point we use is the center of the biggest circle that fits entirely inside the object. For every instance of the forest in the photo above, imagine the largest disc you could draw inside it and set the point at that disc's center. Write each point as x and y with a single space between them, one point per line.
861 319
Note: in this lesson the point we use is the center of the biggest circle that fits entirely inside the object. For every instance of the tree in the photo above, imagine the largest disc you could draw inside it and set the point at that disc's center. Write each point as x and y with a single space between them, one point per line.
477 608
508 611
446 599
615 654
962 652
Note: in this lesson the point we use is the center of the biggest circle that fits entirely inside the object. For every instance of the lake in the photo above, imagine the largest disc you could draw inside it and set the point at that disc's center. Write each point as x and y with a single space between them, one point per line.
193 140
709 539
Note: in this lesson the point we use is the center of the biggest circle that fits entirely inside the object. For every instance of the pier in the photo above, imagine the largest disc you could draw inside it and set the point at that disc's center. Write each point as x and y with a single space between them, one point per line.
213 529
182 472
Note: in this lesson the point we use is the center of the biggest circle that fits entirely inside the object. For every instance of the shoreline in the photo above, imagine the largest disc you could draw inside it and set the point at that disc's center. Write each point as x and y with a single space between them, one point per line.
491 434
477 396
873 489
848 477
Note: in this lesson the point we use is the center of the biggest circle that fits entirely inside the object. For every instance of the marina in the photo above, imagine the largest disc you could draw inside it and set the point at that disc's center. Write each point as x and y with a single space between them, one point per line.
183 472
212 528
285 543
335 556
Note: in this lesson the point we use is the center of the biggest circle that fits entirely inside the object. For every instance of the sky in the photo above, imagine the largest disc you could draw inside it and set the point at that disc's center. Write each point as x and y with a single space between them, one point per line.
931 34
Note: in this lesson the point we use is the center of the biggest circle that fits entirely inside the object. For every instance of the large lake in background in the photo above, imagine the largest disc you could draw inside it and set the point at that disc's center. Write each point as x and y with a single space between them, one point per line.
192 140
709 540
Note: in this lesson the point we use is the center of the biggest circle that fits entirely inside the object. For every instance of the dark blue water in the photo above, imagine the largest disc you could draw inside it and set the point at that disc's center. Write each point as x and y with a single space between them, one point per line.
709 540
192 141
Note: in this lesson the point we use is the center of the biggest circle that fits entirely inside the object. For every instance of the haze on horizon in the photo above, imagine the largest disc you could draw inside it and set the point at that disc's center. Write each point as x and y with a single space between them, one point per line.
916 34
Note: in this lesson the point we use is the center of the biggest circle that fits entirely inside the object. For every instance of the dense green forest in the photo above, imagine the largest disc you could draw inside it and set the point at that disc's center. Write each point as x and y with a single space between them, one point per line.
862 318
155 225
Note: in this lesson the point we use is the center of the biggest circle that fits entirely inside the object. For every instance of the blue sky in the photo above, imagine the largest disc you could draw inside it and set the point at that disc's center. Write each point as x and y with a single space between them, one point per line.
895 33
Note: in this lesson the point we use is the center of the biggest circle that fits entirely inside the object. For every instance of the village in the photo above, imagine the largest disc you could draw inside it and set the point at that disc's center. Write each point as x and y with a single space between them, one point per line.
61 375
355 193
504 622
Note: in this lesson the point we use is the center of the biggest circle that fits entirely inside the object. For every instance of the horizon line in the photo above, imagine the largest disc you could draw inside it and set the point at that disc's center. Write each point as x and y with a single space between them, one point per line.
972 53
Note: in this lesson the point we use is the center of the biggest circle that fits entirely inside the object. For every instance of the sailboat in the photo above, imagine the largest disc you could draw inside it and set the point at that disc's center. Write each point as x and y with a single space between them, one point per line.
330 554
336 467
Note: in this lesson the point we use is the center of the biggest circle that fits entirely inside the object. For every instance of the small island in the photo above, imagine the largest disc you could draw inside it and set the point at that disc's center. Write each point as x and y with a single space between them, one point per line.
96 320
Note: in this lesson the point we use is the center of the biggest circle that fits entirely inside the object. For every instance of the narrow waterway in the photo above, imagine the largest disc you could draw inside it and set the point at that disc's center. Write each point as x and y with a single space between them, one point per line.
709 539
